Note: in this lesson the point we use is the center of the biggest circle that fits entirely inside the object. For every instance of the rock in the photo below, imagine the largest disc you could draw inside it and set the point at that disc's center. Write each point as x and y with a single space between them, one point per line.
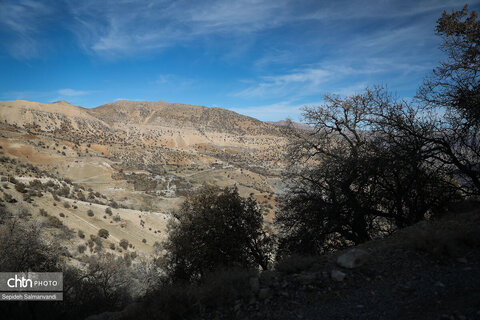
254 284
337 275
353 258
264 293
306 278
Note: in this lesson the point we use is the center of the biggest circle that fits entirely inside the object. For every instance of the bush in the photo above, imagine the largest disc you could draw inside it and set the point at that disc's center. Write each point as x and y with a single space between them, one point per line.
55 197
124 244
62 215
36 184
98 243
108 211
64 192
43 212
81 234
216 228
103 233
90 213
20 187
66 205
81 248
54 222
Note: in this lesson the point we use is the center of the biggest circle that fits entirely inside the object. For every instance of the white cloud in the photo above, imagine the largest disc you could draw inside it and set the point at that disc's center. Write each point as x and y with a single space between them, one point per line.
123 27
114 27
312 80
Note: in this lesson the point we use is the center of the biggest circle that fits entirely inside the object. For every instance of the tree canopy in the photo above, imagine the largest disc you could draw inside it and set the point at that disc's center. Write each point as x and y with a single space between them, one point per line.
216 228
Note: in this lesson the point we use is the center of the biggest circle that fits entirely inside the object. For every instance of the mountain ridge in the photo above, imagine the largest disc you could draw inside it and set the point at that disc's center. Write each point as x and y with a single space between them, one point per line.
135 112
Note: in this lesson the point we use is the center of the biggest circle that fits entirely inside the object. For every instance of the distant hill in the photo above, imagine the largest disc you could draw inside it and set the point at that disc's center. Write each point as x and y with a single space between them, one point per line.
284 123
180 116
121 114
187 133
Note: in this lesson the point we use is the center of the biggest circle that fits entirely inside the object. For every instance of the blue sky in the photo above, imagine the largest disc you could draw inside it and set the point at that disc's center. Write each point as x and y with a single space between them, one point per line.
265 59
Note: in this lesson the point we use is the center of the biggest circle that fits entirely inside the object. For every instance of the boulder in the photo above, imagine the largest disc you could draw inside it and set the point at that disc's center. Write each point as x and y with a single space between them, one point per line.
337 275
353 258
306 278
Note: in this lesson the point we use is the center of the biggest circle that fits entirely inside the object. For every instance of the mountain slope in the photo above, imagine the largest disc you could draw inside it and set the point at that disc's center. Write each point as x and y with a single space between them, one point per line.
48 117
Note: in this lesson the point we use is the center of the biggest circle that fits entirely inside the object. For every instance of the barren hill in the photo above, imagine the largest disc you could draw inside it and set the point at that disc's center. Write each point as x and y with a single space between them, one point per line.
181 116
145 155
48 116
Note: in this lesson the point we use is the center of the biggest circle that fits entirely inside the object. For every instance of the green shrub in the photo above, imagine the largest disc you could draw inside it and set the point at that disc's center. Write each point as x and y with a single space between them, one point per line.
90 213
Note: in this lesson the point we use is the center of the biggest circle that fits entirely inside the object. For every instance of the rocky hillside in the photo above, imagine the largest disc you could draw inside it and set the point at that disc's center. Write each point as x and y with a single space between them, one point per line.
51 117
427 271
145 154
177 115
119 117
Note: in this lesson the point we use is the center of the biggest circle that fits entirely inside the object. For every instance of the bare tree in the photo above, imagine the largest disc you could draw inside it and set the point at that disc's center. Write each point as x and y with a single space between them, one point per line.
354 176
451 98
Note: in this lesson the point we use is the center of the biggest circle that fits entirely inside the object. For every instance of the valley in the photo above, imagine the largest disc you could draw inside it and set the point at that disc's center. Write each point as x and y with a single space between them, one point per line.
139 159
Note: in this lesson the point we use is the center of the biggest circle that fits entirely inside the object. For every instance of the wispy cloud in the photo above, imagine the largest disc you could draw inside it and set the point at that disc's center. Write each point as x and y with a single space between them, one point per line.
70 95
391 54
124 27
115 27
25 19
312 80
72 92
